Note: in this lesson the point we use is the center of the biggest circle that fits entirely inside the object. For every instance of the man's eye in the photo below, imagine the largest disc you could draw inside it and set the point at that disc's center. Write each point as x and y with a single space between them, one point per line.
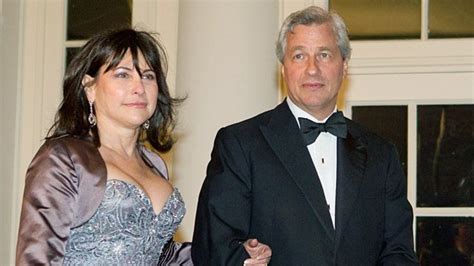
298 56
325 55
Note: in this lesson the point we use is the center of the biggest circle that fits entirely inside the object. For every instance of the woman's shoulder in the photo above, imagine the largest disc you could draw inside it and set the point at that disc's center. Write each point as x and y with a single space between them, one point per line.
74 164
75 153
69 141
71 145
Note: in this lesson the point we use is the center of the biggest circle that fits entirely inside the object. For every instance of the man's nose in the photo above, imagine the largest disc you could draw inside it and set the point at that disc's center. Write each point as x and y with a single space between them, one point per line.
312 66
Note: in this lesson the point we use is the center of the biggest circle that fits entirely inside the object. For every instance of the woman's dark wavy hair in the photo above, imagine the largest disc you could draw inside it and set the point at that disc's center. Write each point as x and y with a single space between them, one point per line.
109 48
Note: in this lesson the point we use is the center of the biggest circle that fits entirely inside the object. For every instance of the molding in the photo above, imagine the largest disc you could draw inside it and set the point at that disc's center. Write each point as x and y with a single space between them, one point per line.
412 56
411 65
444 212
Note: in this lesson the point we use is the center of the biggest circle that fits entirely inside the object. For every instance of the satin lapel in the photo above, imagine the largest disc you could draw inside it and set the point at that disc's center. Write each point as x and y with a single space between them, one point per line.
351 165
283 135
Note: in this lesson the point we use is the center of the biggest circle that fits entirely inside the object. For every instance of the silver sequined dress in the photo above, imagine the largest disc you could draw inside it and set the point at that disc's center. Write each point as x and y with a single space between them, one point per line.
125 230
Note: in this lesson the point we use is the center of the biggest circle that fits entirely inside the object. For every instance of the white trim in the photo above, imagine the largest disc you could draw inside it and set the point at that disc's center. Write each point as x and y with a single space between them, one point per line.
411 167
74 44
447 101
321 3
445 212
424 19
412 56
414 65
411 153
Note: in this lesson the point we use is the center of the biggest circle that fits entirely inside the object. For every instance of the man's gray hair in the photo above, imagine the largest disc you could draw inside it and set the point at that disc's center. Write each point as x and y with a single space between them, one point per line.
314 15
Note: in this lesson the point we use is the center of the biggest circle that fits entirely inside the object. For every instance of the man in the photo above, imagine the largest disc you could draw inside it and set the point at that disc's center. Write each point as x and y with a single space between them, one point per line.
336 196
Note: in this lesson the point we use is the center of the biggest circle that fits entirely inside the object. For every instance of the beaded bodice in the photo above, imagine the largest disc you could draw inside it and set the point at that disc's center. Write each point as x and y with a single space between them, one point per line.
125 230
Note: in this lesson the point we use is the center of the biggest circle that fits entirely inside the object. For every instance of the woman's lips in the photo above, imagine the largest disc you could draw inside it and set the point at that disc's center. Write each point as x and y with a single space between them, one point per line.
136 105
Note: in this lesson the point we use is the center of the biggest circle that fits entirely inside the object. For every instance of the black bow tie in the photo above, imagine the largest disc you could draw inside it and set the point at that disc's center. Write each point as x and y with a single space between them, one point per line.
336 125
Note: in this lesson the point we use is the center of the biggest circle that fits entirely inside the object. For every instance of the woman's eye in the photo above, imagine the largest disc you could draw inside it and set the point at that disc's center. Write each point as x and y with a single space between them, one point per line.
121 75
149 76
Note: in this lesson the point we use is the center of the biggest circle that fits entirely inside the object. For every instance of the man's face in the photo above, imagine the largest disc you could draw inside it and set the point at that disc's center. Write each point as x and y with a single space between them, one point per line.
313 68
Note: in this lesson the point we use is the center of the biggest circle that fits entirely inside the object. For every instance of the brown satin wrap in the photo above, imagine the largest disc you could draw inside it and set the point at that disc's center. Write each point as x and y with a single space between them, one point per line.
176 254
64 186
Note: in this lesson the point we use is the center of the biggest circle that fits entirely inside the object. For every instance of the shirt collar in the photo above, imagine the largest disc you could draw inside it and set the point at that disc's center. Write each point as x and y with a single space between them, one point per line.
298 112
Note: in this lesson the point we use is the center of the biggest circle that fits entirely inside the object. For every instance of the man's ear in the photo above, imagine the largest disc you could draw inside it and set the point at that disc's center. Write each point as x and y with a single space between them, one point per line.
88 83
346 67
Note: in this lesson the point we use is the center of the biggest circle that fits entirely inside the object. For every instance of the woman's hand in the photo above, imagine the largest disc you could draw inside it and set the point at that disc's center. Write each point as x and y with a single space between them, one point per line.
260 254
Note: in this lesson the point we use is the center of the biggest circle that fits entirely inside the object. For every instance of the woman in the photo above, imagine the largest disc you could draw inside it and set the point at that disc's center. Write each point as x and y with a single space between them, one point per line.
94 194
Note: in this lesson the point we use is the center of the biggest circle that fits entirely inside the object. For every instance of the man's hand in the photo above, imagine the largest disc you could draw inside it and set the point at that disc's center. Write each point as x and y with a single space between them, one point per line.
260 254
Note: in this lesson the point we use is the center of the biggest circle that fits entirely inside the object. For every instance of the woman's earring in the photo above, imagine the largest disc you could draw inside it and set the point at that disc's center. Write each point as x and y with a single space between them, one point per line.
146 124
91 117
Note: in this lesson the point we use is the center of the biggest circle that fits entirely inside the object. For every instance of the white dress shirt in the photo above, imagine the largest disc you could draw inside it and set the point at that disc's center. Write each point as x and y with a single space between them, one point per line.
324 155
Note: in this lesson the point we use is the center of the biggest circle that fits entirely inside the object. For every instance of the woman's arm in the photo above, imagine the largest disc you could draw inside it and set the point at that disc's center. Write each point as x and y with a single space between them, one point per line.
48 208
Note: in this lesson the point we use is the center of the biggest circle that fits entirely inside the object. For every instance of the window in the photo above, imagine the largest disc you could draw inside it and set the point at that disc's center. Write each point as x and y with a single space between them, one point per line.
444 174
387 121
88 17
406 19
445 240
451 19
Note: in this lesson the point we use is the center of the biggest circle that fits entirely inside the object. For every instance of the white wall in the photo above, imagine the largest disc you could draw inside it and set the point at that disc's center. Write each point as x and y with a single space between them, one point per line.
9 84
227 67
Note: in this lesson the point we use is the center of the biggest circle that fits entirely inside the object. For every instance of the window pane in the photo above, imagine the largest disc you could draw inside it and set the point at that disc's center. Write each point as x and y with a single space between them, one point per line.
389 122
376 19
87 17
445 174
448 18
445 241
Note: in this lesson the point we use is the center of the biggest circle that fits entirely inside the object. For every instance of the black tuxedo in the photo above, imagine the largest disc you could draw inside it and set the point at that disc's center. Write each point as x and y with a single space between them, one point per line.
261 183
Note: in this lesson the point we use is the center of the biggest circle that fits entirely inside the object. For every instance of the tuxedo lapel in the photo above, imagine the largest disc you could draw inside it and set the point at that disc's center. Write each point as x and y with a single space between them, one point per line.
351 165
283 136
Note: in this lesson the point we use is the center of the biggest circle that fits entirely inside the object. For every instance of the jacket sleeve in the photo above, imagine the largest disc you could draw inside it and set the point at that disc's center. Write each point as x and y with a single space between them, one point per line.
398 234
224 206
48 207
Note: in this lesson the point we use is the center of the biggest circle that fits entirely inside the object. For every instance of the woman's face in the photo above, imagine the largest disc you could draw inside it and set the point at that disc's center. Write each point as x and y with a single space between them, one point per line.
122 98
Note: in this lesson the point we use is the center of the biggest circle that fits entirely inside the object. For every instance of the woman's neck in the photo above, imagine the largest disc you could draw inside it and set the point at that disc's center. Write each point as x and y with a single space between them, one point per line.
122 142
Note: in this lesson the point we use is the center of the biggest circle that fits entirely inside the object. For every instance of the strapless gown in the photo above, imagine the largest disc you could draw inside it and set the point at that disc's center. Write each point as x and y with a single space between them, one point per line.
125 230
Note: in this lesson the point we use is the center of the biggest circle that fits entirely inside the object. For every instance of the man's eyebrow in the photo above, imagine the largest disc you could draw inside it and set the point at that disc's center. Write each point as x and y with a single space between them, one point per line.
298 47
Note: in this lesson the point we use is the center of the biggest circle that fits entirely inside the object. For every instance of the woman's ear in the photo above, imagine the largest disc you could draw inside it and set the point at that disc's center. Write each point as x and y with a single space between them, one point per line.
89 86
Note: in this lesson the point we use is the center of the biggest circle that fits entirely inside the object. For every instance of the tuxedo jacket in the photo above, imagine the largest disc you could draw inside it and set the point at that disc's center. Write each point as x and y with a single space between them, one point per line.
64 186
261 183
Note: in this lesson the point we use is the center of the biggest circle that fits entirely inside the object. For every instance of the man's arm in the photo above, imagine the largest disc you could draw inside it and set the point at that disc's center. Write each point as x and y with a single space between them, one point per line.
398 235
224 207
